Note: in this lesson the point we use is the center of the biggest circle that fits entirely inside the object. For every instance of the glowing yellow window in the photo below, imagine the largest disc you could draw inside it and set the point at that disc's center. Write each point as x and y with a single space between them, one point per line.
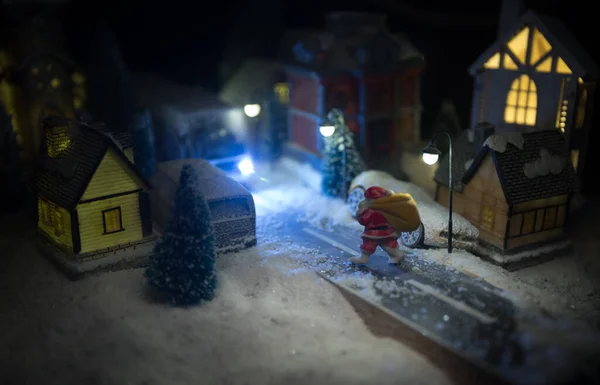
539 47
45 213
112 220
562 67
521 102
78 78
283 92
493 62
509 63
57 221
518 44
545 65
487 217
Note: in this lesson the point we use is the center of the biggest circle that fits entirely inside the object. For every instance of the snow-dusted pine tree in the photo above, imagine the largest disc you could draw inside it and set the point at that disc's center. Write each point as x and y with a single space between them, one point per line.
332 166
142 135
12 187
182 263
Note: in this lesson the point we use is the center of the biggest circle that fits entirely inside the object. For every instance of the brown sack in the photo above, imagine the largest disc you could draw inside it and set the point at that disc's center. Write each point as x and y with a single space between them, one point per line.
399 209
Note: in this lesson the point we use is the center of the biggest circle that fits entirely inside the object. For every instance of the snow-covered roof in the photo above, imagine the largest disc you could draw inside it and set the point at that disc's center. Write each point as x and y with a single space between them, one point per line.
213 183
530 166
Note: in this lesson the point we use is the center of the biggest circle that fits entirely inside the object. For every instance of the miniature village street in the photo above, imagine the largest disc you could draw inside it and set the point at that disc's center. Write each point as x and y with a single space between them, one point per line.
298 193
457 308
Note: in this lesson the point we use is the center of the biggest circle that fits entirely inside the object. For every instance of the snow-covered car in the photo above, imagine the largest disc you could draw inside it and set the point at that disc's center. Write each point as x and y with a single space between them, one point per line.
231 205
434 217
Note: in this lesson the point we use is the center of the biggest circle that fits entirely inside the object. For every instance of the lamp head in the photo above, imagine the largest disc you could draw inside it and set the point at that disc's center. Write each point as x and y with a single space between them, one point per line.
252 110
431 154
327 128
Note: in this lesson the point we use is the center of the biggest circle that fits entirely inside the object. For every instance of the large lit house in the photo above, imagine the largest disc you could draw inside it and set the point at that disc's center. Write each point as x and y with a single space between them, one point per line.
537 77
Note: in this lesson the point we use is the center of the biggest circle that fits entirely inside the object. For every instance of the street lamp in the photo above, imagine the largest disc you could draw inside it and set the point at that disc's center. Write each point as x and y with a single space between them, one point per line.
252 110
327 129
431 154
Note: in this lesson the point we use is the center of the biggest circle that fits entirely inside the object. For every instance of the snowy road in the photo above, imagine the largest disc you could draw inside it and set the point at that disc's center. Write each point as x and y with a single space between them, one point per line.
468 315
450 298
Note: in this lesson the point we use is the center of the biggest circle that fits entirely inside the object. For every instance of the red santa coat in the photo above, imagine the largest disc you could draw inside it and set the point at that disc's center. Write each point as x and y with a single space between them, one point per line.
376 225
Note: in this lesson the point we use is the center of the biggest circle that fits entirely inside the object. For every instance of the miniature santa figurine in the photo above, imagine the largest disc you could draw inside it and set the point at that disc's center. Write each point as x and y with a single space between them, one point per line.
385 215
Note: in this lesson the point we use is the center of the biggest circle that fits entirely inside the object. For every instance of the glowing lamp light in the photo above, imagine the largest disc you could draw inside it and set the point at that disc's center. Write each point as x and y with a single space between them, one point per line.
430 159
431 155
246 166
252 110
327 130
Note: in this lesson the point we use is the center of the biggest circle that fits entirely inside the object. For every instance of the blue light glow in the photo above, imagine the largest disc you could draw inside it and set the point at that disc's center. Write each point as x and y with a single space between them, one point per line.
246 167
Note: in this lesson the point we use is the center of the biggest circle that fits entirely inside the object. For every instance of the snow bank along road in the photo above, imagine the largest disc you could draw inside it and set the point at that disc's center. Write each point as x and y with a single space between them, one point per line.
466 314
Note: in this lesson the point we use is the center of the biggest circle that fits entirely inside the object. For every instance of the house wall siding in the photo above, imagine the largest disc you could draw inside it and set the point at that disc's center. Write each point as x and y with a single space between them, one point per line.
540 203
483 192
304 93
536 238
304 133
110 178
91 225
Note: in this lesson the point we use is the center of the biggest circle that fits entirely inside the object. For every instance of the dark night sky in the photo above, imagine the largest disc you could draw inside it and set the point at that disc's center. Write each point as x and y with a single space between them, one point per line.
187 40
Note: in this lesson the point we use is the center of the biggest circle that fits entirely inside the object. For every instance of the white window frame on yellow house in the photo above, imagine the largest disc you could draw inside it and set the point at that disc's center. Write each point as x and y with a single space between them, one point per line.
112 220
521 102
487 217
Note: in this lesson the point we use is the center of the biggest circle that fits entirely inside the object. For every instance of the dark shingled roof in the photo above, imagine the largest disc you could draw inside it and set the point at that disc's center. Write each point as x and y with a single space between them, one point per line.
510 165
63 180
123 139
463 151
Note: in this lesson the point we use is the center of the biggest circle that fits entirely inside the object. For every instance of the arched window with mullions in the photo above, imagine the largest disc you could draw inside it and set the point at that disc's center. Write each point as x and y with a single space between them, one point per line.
521 102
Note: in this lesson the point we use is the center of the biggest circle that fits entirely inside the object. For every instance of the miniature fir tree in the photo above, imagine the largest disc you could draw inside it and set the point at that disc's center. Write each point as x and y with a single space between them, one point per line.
11 187
182 263
332 167
142 135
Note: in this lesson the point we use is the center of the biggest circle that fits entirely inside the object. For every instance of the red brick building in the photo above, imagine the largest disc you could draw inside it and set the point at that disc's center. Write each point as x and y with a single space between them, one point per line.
355 64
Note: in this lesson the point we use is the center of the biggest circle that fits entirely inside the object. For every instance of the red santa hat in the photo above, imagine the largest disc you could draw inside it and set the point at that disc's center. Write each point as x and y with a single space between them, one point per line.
376 192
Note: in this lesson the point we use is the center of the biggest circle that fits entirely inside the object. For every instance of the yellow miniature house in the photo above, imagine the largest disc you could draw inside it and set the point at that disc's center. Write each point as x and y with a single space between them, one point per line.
92 202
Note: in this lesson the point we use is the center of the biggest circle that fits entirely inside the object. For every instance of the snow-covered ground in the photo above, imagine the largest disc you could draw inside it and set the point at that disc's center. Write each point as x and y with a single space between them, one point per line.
274 321
565 286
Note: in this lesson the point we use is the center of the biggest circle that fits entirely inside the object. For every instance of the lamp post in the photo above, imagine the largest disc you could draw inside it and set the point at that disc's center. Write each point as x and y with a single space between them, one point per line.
252 111
327 129
431 154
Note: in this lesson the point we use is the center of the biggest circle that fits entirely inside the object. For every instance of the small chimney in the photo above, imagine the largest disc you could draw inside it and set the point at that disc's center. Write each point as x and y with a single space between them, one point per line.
510 13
